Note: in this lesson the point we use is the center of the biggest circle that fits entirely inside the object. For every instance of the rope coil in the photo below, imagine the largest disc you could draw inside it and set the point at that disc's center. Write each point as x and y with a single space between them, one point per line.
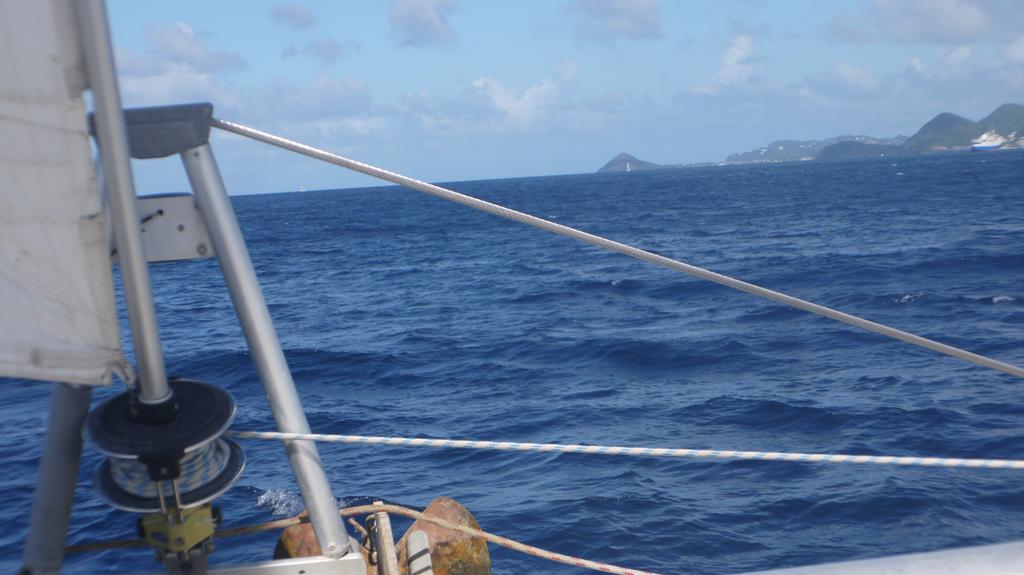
198 468
640 451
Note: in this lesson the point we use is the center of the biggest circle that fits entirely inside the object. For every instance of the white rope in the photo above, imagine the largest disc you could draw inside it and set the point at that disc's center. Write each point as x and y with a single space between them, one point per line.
388 508
198 468
638 451
498 539
615 246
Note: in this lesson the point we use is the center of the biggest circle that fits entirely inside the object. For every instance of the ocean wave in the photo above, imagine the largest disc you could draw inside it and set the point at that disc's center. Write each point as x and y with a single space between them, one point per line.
764 414
638 355
280 503
440 322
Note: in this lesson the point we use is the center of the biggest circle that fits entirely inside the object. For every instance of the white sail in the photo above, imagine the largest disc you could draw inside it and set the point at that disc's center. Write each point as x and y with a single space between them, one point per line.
58 320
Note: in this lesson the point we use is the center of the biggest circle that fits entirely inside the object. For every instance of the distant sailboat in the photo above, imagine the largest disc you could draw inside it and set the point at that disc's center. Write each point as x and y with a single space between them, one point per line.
628 169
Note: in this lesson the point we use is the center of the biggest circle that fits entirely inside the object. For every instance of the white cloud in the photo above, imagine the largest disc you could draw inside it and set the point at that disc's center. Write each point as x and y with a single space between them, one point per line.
605 21
841 85
916 66
517 109
855 78
734 69
327 108
950 66
293 14
324 96
810 94
612 112
180 44
936 21
958 56
362 126
488 105
178 66
953 77
176 84
422 22
327 50
1014 51
131 63
950 22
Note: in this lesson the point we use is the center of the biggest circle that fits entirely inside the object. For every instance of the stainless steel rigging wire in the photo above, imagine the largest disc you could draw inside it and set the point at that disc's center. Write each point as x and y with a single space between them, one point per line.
614 246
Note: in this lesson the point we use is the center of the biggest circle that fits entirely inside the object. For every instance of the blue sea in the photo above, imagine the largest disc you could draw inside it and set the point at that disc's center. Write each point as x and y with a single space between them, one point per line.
403 315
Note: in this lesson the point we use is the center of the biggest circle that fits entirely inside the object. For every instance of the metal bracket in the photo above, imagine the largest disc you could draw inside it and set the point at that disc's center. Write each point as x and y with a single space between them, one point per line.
190 528
163 131
387 558
173 229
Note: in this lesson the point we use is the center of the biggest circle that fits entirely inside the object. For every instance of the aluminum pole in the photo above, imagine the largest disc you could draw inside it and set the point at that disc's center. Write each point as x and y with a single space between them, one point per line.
113 144
55 486
215 206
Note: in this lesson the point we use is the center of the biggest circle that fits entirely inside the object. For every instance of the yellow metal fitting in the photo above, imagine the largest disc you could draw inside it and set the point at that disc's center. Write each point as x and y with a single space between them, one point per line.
178 530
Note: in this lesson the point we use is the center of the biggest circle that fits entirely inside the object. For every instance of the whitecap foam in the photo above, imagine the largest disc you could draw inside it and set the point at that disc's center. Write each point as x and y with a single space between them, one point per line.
1003 299
907 298
280 502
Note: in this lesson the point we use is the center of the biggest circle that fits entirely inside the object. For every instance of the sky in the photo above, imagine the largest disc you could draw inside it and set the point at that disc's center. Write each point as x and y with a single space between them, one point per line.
452 90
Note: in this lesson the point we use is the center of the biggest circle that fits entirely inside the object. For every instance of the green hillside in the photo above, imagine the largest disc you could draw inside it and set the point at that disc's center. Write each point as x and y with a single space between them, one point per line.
943 131
1005 119
795 150
849 149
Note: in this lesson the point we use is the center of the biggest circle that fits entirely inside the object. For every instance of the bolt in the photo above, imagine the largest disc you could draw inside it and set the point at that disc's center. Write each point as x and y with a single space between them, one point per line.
201 249
181 227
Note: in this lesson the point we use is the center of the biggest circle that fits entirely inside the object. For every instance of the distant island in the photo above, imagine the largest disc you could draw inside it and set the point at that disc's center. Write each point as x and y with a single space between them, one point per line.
797 150
627 163
1002 129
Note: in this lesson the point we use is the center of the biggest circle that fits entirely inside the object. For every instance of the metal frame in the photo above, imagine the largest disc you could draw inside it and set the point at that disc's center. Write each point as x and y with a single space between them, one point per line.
251 308
55 488
113 144
62 451
352 565
58 467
